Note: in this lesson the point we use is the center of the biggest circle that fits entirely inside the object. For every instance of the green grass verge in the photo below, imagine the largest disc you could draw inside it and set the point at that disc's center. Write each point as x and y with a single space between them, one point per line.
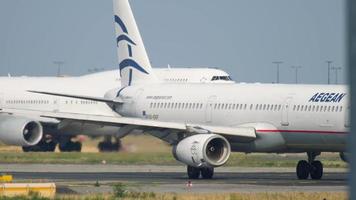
236 159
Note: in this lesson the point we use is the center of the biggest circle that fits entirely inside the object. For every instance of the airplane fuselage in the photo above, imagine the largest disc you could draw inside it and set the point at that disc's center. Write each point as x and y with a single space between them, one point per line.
287 118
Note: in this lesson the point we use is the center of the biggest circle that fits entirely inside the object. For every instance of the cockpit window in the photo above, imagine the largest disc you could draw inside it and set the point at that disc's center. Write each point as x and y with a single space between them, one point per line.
221 78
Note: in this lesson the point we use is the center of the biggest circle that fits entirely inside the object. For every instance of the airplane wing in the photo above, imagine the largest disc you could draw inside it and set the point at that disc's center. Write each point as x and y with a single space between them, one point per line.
165 130
105 100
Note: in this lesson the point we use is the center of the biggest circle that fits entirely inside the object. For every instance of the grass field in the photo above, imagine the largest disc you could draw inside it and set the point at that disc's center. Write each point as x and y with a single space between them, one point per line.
149 150
142 158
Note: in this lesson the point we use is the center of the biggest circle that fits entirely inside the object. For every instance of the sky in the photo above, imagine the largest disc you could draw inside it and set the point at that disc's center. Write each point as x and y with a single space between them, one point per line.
242 37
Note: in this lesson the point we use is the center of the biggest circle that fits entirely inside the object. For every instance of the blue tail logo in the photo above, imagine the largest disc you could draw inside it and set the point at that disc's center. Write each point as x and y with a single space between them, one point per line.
130 43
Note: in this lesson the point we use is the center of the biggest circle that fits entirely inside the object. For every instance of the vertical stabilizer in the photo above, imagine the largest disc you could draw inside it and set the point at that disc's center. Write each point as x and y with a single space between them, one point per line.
135 67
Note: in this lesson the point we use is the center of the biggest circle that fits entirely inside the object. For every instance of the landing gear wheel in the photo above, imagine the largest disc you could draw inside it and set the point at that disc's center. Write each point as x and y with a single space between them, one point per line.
43 146
70 147
316 171
108 146
303 169
193 172
77 146
207 173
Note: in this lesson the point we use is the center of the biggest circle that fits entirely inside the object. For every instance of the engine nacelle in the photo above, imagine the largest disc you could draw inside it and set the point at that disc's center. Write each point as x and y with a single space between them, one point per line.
345 156
20 131
203 150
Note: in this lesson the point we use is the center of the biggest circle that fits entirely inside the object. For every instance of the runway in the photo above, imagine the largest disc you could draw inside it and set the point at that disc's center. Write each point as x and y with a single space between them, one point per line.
81 178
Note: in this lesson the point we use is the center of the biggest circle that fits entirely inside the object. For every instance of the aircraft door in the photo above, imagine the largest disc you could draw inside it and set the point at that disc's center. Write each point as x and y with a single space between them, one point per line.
137 107
209 109
347 117
56 102
285 111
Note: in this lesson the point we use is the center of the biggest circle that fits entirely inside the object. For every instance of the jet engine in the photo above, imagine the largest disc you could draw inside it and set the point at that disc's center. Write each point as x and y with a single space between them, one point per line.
20 131
203 150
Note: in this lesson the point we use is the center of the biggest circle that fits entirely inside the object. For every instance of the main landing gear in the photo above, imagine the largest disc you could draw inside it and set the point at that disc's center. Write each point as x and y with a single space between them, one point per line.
67 145
312 167
47 144
42 146
108 146
195 173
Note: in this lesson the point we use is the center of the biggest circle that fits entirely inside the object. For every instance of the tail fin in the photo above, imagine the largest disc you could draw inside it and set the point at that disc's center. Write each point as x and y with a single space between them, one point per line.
135 67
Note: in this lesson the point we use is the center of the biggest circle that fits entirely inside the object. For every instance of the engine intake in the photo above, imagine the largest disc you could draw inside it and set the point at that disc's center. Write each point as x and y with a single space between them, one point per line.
203 150
20 131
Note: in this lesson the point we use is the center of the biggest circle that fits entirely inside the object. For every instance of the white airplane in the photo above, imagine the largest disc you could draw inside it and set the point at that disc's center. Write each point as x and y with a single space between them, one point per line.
14 95
206 122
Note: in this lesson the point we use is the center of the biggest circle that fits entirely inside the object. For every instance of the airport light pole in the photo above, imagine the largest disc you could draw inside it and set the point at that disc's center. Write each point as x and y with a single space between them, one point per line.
329 67
59 64
336 69
296 68
277 63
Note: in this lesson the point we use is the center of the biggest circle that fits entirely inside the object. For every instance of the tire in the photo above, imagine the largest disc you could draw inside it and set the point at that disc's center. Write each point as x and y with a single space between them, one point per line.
26 149
193 172
70 147
51 146
316 171
42 146
303 169
76 146
105 147
207 173
64 147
